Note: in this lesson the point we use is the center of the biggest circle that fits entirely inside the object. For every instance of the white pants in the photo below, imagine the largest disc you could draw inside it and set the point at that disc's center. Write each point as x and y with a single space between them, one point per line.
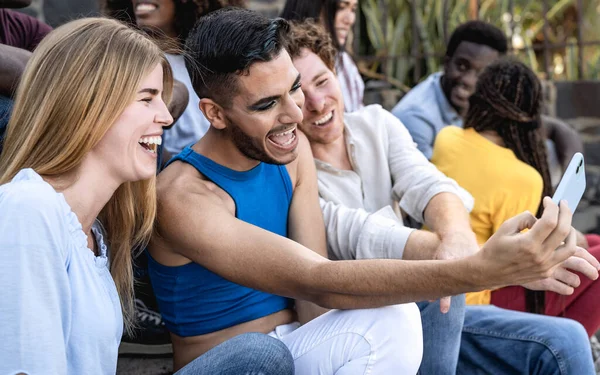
383 341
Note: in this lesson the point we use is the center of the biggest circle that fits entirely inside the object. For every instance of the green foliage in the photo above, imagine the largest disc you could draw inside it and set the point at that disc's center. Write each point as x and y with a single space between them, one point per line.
407 36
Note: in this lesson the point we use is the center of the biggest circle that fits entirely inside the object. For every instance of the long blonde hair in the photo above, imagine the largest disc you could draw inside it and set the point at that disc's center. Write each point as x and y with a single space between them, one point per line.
77 83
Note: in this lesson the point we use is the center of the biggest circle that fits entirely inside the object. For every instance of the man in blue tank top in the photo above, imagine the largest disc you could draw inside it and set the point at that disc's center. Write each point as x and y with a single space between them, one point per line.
240 231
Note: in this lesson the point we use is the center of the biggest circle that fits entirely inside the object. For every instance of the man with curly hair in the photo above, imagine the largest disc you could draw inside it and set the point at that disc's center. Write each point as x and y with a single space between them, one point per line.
366 163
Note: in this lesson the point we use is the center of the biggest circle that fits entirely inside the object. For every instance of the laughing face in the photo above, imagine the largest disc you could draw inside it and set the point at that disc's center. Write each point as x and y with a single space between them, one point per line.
158 14
128 149
462 70
345 16
266 111
323 107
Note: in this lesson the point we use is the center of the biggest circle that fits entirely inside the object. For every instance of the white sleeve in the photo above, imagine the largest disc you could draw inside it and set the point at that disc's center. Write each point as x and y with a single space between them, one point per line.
415 180
355 234
34 288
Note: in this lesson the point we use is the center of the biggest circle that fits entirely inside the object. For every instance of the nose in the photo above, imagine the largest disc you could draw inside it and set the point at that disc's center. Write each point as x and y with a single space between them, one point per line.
163 116
349 17
469 80
293 109
314 102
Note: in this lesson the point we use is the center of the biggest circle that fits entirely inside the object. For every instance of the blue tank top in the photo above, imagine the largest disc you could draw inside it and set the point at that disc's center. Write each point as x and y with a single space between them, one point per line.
195 301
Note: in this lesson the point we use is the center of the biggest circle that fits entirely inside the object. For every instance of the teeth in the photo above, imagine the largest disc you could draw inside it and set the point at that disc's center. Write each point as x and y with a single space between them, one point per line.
324 119
290 141
155 140
284 133
145 7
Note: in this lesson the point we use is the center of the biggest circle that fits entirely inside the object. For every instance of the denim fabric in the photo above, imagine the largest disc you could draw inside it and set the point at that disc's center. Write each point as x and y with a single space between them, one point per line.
441 336
246 354
499 341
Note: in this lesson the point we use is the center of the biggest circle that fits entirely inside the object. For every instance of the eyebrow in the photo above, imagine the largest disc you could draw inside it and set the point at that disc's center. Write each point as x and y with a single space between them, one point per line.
254 106
149 90
318 76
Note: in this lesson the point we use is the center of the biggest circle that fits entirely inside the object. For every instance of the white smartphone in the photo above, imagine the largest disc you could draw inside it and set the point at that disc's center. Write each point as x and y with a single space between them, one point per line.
572 183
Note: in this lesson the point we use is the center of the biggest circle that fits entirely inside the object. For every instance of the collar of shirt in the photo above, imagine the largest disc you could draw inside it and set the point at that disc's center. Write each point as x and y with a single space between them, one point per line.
349 140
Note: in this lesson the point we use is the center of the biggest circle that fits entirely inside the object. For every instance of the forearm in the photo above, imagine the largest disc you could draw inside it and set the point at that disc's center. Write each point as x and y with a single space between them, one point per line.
446 214
421 245
12 62
386 282
565 138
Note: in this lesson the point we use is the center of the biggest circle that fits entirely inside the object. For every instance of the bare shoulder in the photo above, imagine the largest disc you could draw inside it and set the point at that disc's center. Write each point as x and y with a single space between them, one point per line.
297 168
182 191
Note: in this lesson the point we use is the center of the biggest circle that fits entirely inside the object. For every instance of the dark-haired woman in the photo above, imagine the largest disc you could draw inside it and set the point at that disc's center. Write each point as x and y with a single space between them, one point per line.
338 16
500 158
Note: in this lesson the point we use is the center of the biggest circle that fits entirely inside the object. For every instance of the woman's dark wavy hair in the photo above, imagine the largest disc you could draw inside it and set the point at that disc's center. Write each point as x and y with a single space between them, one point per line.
508 101
301 10
187 12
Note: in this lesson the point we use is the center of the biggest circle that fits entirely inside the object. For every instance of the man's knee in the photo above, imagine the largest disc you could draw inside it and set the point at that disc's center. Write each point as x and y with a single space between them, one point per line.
571 334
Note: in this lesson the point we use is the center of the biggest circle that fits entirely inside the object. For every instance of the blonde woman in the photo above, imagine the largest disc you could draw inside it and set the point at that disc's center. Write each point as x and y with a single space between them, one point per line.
78 178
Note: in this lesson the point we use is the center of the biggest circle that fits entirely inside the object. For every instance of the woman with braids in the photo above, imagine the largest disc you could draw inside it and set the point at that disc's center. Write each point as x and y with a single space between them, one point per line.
500 158
169 22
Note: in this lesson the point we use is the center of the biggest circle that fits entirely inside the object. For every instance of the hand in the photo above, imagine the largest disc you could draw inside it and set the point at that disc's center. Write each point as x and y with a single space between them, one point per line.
563 281
581 240
511 257
455 245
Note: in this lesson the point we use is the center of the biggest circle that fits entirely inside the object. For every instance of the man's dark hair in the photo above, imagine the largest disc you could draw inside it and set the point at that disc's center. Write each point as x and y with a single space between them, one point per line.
508 101
301 10
478 32
224 44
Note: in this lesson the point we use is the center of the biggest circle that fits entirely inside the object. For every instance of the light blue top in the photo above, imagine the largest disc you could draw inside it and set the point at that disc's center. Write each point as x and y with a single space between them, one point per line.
424 111
191 125
59 308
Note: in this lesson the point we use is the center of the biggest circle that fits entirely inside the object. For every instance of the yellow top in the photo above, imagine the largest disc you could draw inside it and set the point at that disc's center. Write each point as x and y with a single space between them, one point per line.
502 185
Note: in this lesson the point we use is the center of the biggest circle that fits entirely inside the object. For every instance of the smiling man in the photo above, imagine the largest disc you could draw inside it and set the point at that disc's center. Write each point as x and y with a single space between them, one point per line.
240 231
443 98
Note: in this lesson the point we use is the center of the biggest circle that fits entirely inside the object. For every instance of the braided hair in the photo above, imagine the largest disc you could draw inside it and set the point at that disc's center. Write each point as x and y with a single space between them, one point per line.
507 100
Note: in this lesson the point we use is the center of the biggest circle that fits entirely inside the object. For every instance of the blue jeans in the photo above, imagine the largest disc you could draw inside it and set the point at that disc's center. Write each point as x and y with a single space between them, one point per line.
246 354
441 336
499 341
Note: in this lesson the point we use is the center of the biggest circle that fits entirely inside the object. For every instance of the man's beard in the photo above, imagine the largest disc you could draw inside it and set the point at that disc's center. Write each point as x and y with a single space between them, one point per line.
248 146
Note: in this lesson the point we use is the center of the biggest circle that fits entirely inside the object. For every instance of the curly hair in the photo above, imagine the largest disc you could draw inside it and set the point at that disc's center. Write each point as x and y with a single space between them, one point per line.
508 100
187 12
314 37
